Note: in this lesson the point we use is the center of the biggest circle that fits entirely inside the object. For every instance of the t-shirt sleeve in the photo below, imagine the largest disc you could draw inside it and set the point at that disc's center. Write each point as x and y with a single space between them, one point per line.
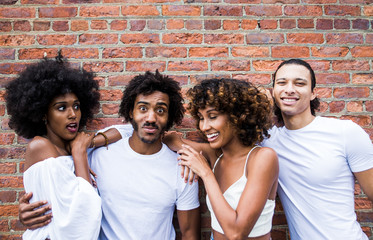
359 148
188 195
125 129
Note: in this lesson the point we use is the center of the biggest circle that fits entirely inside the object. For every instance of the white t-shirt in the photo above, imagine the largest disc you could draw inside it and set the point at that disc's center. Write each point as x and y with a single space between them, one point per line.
316 181
139 192
76 206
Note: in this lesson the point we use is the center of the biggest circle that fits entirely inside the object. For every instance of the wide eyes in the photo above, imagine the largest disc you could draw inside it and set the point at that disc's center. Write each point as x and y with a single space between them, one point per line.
159 110
63 107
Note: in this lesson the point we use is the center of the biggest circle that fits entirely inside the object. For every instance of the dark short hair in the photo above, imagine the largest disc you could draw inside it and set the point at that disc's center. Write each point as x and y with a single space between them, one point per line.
248 109
147 84
315 103
28 96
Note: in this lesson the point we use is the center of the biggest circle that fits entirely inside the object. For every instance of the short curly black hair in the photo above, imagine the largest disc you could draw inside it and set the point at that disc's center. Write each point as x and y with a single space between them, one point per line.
314 104
248 109
147 84
28 96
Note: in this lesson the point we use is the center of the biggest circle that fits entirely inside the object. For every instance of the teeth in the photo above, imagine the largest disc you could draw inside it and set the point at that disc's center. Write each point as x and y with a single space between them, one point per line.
289 99
212 135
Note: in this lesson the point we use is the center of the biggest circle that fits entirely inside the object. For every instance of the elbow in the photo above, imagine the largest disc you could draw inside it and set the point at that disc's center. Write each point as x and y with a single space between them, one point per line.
236 235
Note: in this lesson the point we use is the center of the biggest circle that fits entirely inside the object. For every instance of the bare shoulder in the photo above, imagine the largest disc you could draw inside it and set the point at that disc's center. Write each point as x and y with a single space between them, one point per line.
265 157
39 149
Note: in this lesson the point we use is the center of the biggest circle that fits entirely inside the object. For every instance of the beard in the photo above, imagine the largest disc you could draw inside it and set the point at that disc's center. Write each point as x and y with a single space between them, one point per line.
148 141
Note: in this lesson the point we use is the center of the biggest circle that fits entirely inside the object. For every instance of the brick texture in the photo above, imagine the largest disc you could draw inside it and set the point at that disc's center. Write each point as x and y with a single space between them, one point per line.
188 40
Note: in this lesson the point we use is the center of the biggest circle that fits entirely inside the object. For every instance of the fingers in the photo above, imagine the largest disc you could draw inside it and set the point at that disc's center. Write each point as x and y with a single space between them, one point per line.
25 198
32 215
38 221
92 172
186 174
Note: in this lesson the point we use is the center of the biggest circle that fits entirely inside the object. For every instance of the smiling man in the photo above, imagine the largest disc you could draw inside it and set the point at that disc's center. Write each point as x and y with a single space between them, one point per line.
319 158
138 177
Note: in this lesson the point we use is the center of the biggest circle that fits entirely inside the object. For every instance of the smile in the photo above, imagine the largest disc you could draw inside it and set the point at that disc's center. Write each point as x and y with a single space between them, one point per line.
211 137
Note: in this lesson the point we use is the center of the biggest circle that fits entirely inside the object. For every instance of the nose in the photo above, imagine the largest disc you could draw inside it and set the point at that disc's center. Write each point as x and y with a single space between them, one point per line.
151 116
204 125
289 88
71 113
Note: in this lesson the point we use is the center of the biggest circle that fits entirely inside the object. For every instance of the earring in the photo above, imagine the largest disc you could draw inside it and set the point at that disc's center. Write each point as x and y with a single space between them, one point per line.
45 121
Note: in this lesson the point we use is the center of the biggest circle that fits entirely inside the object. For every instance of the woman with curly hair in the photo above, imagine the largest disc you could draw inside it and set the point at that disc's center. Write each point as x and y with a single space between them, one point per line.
239 176
50 102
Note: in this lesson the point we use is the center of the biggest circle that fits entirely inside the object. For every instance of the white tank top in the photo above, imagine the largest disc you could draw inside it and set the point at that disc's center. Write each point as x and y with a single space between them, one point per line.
233 194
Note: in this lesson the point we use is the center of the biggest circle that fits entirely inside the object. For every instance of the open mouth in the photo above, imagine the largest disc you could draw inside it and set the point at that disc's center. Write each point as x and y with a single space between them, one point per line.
72 127
212 136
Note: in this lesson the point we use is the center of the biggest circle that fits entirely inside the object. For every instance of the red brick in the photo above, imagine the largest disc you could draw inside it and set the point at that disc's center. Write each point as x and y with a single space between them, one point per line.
369 106
244 1
5 26
342 10
363 121
336 107
79 1
319 1
362 78
222 11
11 182
263 10
362 51
257 79
175 24
249 24
342 24
362 24
314 38
80 53
60 26
368 10
4 225
209 52
251 52
24 26
290 52
141 10
22 12
99 11
110 109
58 12
100 123
7 168
264 38
118 25
231 24
6 138
7 54
155 24
99 24
306 23
16 153
268 66
333 78
352 65
181 10
343 38
120 80
193 24
11 68
369 38
287 23
323 107
355 106
324 24
303 10
110 95
137 25
187 66
37 53
16 40
8 2
212 24
324 92
104 67
125 52
230 65
93 39
56 39
167 52
8 210
351 92
139 38
79 25
2 110
267 24
182 38
41 25
224 38
16 225
142 66
329 52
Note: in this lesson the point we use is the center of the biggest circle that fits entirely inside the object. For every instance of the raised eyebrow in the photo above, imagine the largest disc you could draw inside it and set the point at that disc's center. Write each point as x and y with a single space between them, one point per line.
162 104
142 102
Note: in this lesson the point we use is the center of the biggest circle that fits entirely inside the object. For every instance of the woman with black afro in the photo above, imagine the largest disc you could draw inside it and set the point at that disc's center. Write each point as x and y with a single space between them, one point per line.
51 102
239 176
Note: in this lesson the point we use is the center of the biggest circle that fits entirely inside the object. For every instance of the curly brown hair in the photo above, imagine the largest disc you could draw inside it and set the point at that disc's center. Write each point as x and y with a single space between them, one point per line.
248 109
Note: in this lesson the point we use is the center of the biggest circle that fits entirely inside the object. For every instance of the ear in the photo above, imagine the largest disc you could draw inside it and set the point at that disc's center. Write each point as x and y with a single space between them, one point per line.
314 94
131 114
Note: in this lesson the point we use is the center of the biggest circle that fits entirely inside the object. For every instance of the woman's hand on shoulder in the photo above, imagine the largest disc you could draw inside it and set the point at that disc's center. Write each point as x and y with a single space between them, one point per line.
81 142
39 149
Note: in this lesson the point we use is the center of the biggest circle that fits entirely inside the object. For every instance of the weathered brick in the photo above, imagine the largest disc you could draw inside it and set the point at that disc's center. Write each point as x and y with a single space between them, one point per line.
99 24
110 95
127 52
7 168
262 65
351 65
369 106
121 80
141 10
363 121
209 52
11 68
21 12
231 24
42 2
362 51
182 38
16 40
336 106
342 10
333 78
79 25
343 38
16 225
230 65
193 24
104 67
5 26
167 52
368 10
41 25
99 11
110 109
267 24
362 78
324 92
139 38
7 54
24 26
222 11
342 23
264 10
224 38
37 53
257 79
4 225
142 66
329 52
264 38
187 66
313 38
80 1
355 106
351 92
58 12
324 24
249 24
181 10
155 24
92 38
306 23
11 182
118 25
362 24
137 25
212 24
288 23
175 24
80 53
305 10
56 39
60 26
290 52
251 52
8 2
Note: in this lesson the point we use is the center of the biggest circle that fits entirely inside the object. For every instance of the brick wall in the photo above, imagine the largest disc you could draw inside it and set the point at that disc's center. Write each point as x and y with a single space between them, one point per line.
189 40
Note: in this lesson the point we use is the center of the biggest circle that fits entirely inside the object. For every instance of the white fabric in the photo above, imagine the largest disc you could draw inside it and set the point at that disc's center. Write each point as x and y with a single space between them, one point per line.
76 206
233 194
140 192
316 183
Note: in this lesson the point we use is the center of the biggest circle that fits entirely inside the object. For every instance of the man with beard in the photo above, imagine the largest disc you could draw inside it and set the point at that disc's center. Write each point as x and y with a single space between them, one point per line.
138 177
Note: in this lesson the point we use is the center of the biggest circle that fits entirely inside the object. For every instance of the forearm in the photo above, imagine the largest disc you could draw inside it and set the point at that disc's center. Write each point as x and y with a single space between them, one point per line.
112 135
81 165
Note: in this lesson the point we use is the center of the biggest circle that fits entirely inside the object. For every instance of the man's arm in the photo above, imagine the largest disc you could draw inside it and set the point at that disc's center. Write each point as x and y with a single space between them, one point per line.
32 215
365 179
189 223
